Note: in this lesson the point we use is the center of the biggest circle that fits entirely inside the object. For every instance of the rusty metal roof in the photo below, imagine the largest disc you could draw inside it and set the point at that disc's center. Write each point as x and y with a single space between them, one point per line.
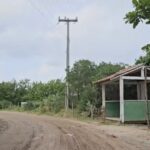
119 73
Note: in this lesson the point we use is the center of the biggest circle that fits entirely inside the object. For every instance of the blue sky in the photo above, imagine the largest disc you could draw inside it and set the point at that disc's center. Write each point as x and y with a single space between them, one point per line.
33 44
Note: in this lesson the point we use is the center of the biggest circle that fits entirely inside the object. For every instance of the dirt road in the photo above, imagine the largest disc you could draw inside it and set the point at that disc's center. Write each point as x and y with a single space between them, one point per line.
19 131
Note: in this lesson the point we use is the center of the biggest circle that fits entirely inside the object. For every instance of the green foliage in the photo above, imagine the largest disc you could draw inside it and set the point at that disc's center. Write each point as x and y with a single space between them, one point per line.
39 91
5 104
81 75
54 87
52 104
145 59
32 93
28 106
140 14
88 97
106 69
21 91
81 78
7 91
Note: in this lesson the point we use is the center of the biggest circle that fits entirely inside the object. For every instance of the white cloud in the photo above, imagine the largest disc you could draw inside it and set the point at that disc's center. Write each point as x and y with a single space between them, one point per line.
10 8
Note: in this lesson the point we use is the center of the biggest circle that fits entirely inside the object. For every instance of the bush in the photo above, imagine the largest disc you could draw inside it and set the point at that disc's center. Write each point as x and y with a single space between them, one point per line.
5 104
30 105
52 104
45 106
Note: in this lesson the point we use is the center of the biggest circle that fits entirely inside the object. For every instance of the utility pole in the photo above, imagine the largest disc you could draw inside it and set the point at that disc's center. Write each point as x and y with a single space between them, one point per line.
67 92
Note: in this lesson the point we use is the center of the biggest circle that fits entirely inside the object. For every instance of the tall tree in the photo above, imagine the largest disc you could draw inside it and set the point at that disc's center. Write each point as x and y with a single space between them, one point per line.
141 13
81 75
144 59
106 69
8 94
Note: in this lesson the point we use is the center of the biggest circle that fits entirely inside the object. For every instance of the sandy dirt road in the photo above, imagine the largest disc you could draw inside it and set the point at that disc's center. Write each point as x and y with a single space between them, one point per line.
20 131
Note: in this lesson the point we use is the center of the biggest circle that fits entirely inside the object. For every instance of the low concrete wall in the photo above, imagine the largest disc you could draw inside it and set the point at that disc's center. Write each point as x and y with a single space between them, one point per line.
135 110
112 109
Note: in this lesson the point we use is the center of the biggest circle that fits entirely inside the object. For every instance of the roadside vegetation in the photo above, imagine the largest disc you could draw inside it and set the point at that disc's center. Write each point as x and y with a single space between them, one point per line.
49 97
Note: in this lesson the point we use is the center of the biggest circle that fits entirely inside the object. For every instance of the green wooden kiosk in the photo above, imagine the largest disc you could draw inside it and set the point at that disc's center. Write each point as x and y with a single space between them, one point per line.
126 94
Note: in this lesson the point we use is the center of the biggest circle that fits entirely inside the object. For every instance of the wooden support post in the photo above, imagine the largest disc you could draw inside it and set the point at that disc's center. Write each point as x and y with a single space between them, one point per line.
103 95
142 72
103 101
121 99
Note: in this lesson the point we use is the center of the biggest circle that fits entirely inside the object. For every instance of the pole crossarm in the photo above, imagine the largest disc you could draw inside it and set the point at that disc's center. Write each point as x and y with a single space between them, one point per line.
67 20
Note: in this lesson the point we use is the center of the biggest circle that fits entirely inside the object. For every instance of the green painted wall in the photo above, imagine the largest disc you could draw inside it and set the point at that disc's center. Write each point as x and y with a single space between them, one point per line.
112 109
135 110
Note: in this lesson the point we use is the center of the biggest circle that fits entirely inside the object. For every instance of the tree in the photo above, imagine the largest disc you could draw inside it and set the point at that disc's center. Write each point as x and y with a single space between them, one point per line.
22 89
37 91
81 78
106 69
8 91
89 100
81 75
141 13
55 87
49 95
144 59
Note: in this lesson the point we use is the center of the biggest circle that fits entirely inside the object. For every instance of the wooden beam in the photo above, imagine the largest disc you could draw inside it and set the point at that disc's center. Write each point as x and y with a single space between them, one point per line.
131 71
134 78
131 82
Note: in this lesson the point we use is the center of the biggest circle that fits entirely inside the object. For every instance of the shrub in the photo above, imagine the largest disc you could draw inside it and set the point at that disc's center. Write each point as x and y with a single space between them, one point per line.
5 104
30 105
52 104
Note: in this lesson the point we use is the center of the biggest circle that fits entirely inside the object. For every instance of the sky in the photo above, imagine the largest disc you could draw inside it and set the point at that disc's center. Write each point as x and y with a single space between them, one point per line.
33 43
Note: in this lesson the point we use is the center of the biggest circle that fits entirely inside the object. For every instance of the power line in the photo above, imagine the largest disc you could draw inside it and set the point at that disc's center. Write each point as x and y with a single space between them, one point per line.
36 8
67 93
33 5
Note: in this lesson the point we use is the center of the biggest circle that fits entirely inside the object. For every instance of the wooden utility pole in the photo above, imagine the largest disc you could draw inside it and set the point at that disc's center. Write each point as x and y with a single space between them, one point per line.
67 93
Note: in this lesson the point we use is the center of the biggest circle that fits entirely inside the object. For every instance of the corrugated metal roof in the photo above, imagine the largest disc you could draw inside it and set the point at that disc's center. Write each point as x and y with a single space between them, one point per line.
120 73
